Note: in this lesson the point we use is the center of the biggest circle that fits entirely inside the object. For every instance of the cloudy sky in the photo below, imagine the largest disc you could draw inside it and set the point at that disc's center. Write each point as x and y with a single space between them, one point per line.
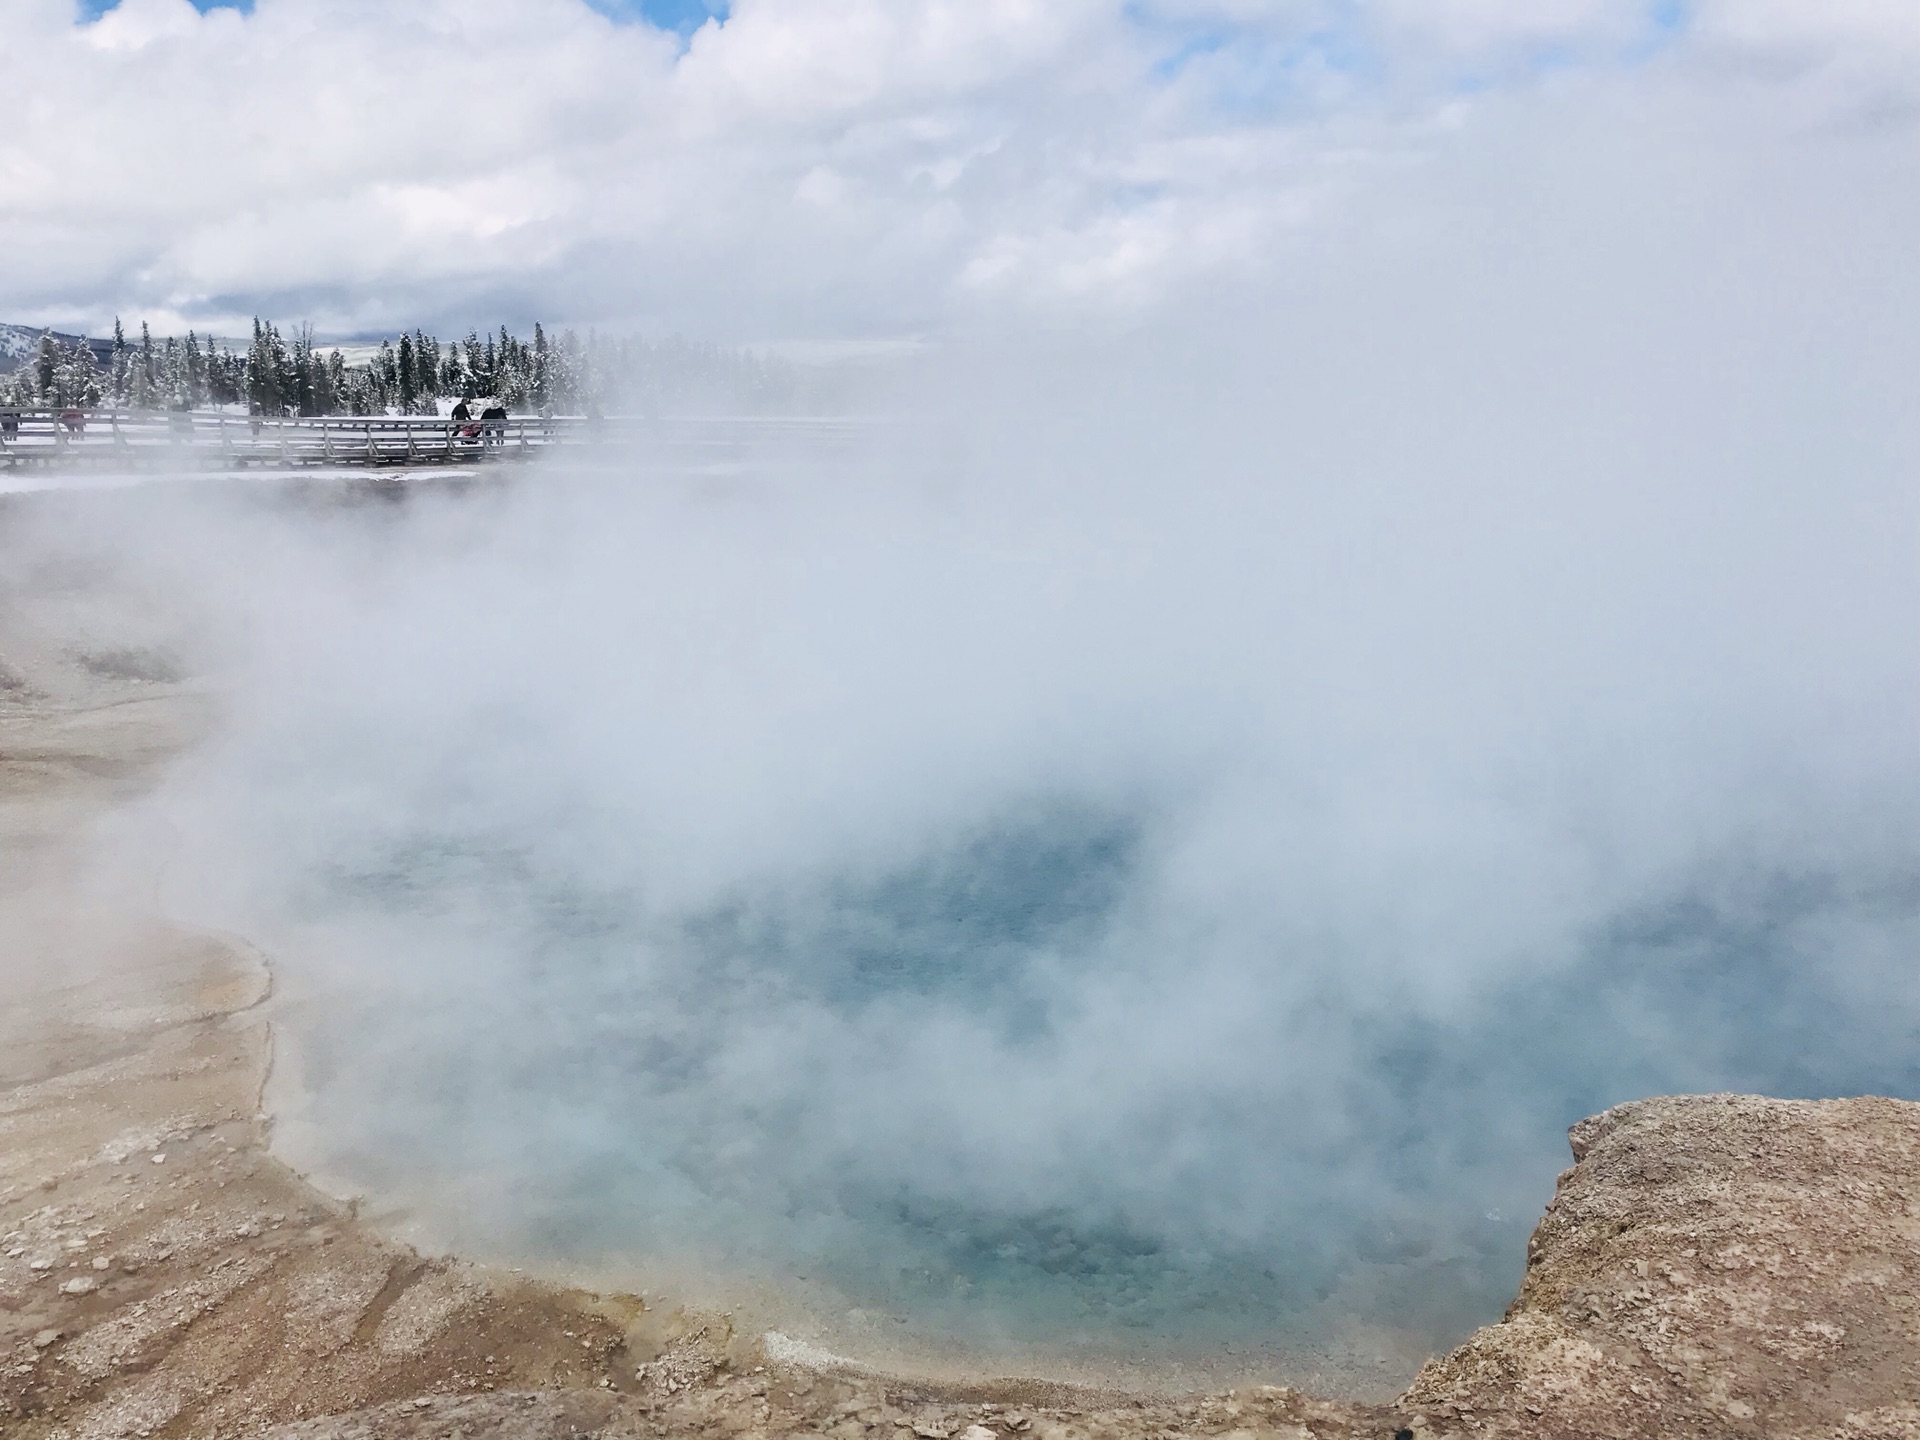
835 169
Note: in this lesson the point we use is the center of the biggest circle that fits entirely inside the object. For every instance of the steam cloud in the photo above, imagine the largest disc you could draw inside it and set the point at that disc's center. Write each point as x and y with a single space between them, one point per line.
1169 837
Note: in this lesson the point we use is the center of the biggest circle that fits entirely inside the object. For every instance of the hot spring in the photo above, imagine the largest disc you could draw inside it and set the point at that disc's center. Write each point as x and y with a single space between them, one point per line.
1099 895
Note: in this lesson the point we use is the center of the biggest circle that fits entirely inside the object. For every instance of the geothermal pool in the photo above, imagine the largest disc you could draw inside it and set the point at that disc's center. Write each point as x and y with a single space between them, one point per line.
998 932
956 1105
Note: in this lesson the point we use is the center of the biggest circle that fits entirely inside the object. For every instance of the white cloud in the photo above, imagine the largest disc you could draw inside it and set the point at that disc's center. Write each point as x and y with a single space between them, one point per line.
809 166
1849 59
1828 26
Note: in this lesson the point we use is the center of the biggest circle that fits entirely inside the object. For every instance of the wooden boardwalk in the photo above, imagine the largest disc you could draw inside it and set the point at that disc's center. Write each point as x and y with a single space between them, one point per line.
174 440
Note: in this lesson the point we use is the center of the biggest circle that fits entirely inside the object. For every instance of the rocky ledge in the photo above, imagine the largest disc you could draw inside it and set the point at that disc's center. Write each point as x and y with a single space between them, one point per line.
1712 1265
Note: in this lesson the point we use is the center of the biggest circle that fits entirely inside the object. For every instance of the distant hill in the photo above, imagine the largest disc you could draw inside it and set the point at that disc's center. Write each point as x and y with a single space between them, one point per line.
18 342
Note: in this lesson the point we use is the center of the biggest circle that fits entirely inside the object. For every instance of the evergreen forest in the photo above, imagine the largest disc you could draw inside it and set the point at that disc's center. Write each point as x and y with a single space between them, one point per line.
278 375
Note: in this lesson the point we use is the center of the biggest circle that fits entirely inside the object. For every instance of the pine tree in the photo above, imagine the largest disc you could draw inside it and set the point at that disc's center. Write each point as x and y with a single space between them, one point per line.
336 391
286 382
404 374
226 368
218 392
144 378
539 381
46 365
511 383
76 377
426 372
256 392
454 379
196 372
86 374
117 377
304 386
326 395
385 374
267 372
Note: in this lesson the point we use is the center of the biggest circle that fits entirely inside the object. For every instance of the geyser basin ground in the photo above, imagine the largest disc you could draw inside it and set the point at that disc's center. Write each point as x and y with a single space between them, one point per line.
999 928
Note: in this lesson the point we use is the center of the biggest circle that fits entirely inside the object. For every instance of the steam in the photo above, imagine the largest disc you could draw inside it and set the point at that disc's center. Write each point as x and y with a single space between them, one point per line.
1156 848
1096 885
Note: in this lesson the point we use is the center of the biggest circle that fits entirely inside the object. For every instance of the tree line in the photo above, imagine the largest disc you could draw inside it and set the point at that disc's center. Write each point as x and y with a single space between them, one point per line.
278 375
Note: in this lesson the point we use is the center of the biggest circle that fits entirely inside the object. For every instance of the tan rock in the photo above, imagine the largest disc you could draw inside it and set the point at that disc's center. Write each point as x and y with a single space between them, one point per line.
1713 1265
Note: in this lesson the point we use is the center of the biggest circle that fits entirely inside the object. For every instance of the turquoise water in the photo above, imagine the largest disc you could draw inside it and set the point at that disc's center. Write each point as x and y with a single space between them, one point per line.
780 1082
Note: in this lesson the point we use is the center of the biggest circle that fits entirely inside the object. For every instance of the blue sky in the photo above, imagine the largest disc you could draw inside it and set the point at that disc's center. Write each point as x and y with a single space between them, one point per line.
680 15
94 9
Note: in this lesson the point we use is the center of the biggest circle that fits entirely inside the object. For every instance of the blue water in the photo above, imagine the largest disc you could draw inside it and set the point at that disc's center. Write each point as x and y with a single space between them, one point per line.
771 1080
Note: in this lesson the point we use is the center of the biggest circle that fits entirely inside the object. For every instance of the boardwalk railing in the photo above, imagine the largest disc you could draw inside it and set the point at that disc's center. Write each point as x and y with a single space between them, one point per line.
172 439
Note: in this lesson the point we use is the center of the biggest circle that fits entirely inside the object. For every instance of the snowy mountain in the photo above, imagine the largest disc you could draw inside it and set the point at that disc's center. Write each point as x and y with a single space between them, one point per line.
18 342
